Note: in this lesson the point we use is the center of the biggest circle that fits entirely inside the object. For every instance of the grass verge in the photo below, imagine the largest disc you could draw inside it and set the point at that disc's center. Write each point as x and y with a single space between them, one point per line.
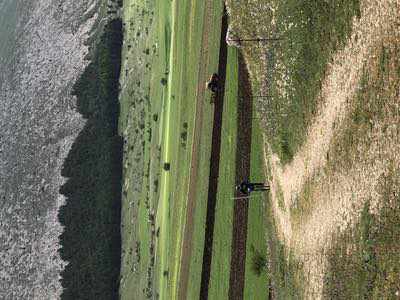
257 273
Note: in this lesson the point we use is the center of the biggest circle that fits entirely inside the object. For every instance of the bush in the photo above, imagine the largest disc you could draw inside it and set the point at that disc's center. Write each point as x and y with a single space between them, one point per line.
258 262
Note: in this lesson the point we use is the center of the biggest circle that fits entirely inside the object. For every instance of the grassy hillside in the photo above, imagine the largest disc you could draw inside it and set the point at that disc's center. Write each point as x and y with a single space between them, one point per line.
144 71
289 71
364 260
328 99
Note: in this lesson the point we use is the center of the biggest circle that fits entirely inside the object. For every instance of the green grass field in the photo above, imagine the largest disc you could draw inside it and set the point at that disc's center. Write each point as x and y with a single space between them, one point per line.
257 275
159 89
145 62
256 280
221 257
187 72
162 103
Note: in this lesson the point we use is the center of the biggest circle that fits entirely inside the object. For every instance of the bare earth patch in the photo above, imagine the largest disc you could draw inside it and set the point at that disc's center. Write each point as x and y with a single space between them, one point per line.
339 194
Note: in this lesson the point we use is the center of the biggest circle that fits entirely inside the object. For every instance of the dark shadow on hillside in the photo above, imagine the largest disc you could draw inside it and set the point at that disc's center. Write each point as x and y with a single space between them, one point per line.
91 242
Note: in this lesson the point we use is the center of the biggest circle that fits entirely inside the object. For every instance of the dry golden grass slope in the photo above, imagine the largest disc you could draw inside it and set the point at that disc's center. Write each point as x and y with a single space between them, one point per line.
338 194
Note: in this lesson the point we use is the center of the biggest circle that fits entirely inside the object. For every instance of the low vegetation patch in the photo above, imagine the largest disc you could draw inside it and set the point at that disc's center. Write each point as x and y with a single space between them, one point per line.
258 262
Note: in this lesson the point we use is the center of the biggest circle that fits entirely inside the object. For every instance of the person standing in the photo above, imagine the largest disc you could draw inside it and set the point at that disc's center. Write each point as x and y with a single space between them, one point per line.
246 187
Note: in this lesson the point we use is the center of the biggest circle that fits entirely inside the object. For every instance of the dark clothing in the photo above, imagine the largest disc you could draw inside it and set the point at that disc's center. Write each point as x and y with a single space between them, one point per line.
247 187
213 83
213 87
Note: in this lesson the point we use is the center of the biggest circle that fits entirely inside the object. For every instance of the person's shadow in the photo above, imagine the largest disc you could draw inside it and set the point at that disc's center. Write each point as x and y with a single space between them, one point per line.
91 241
